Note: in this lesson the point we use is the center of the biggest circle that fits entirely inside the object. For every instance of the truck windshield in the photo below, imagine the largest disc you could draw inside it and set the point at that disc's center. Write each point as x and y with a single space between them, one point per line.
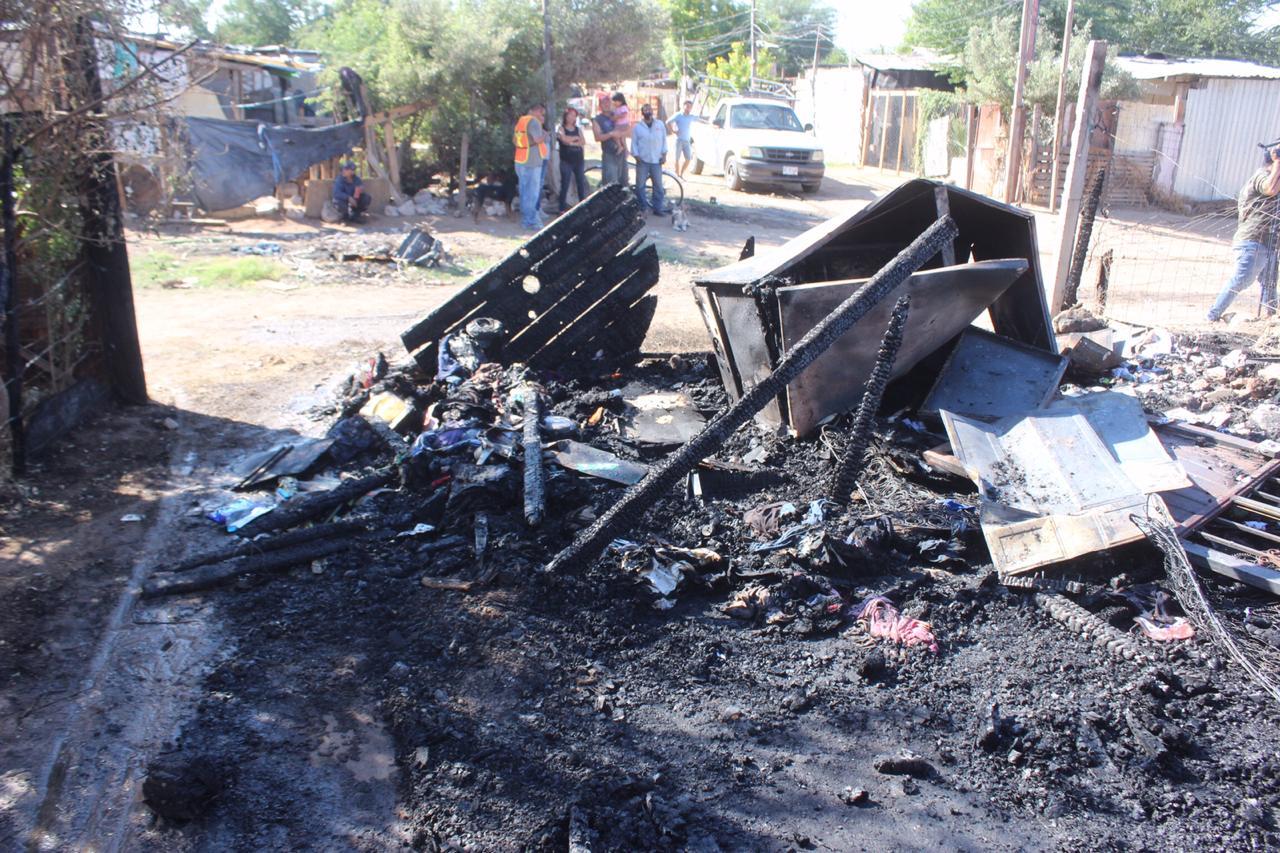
764 117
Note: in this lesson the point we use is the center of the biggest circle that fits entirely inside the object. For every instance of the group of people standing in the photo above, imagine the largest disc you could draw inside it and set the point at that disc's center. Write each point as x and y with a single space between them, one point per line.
612 128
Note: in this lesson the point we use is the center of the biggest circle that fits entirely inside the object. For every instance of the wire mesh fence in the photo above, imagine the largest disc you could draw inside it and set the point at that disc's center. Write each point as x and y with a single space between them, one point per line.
1163 262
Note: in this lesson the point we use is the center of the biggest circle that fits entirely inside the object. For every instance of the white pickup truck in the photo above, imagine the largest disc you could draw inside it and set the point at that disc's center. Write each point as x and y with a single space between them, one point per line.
758 141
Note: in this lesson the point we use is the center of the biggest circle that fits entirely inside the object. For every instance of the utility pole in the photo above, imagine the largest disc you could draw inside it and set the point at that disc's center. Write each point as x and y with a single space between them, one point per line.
1060 113
813 80
553 165
752 84
684 70
1018 119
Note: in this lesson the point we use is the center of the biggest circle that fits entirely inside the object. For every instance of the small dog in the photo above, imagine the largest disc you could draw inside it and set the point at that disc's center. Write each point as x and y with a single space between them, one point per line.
679 220
496 186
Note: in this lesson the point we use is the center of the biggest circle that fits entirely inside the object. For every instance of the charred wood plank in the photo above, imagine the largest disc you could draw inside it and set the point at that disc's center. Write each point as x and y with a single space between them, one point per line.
261 546
576 235
640 277
570 310
170 583
535 493
302 510
659 481
623 338
849 468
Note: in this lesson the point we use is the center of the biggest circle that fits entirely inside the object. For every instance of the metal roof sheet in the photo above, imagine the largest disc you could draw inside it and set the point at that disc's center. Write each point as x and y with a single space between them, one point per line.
1154 68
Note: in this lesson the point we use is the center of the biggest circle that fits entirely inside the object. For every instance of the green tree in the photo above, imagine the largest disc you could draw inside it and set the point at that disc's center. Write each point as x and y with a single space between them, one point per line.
699 30
606 40
735 66
188 16
990 62
792 25
943 25
261 22
1195 28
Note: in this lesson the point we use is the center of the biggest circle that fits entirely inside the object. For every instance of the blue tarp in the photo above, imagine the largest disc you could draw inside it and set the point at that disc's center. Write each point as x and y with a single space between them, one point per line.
234 162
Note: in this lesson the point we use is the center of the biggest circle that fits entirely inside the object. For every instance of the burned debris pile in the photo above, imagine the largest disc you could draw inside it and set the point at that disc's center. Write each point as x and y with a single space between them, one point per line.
906 471
521 415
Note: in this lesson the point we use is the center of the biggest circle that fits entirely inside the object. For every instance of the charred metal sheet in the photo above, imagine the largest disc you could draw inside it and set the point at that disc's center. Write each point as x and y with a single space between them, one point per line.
856 245
1122 426
943 302
993 377
1050 489
747 346
550 283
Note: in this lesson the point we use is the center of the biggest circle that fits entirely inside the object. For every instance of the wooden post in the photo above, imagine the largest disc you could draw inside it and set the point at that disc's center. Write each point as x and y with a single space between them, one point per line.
553 116
1180 93
393 154
1018 116
463 166
884 131
106 257
1029 168
902 131
868 107
237 93
9 295
970 143
1073 188
1060 110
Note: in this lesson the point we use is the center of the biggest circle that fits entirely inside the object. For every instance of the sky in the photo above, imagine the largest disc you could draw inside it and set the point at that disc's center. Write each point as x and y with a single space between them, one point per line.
871 24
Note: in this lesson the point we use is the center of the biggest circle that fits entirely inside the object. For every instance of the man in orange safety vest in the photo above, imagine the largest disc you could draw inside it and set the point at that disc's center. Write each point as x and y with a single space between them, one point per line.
530 140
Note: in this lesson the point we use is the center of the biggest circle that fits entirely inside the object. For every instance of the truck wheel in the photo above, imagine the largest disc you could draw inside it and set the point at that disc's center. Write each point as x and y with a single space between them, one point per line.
732 179
698 165
811 188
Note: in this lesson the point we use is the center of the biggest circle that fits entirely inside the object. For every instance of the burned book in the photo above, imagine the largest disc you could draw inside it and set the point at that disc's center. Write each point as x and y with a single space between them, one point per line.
578 289
757 308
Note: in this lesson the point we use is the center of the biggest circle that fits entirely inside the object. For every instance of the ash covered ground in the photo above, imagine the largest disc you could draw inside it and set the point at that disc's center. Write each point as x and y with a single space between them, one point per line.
540 711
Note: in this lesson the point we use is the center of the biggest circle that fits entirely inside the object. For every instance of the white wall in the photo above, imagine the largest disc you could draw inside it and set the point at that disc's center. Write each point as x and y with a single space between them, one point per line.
835 112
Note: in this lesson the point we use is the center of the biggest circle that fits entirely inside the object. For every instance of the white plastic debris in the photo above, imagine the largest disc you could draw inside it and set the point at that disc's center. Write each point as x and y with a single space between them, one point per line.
1234 359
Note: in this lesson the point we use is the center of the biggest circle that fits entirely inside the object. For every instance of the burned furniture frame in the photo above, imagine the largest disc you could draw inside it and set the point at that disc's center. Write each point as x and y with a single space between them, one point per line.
578 288
752 307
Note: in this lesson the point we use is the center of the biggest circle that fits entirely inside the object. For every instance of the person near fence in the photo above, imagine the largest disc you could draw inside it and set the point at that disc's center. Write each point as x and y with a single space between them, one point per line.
530 142
649 147
572 162
1254 243
349 195
682 126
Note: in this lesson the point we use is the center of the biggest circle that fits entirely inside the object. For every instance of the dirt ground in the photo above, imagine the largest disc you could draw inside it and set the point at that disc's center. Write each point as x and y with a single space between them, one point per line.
345 707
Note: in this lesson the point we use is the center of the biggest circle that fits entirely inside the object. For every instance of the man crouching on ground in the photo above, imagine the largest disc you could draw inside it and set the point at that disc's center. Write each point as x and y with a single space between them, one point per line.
1254 242
349 195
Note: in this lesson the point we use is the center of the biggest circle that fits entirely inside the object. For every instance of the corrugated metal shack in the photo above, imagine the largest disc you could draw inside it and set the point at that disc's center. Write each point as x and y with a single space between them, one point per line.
1198 123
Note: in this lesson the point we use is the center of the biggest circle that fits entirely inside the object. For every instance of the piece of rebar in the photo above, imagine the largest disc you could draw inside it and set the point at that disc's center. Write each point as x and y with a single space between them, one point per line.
535 497
661 478
849 467
261 546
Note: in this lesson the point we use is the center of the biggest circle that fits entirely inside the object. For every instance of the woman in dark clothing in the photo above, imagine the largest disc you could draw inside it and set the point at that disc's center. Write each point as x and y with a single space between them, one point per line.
571 160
